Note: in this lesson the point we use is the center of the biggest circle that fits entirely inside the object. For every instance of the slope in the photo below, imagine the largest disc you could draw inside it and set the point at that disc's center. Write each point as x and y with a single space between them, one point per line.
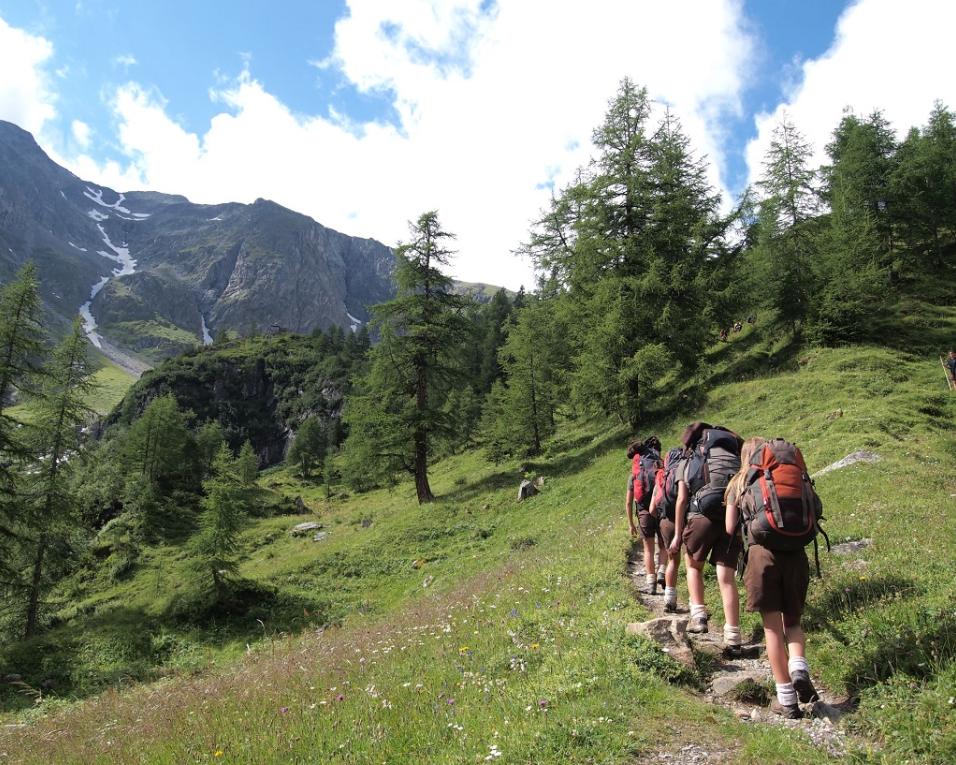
481 629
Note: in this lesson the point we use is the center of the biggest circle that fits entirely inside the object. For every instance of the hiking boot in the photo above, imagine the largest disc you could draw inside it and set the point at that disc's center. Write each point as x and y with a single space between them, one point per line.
786 711
697 625
670 608
733 652
803 686
660 579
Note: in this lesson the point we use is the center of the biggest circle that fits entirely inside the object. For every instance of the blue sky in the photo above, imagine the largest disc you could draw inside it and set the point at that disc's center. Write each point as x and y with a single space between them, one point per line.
173 95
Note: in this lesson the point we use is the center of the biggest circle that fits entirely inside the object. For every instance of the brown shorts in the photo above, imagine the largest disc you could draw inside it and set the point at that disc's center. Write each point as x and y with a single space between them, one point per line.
703 537
647 523
777 581
667 531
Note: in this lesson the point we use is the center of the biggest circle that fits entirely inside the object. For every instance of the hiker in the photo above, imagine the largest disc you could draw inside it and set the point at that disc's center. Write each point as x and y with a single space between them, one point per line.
663 506
738 326
751 319
777 572
723 335
646 462
712 458
951 366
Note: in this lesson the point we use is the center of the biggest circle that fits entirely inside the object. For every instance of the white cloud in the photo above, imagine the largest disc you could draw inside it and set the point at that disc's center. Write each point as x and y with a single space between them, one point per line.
125 60
25 95
887 55
81 134
491 105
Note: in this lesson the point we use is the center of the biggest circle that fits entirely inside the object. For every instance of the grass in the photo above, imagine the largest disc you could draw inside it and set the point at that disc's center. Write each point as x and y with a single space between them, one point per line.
515 650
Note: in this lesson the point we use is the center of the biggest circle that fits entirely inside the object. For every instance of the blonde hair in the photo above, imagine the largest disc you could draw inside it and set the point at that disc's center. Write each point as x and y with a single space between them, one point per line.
735 486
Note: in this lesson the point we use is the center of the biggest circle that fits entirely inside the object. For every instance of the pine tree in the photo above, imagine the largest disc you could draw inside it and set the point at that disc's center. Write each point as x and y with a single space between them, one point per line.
159 447
309 446
399 413
247 465
225 506
788 203
61 412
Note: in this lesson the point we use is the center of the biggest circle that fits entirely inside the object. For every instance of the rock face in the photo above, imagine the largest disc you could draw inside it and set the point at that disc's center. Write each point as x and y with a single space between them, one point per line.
526 489
158 274
851 459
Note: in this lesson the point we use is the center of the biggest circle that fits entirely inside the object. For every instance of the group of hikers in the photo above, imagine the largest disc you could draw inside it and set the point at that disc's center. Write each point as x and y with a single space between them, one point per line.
736 327
743 505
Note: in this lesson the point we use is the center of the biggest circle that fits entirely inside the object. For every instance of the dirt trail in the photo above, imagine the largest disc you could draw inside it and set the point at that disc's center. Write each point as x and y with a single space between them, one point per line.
742 685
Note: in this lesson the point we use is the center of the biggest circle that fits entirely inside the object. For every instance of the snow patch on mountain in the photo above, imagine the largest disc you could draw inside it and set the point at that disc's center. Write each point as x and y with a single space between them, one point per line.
77 247
356 323
98 216
89 323
206 337
97 196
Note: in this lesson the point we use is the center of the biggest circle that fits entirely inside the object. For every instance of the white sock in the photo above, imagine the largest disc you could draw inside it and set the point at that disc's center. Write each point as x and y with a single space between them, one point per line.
660 570
698 610
786 695
650 578
798 662
670 595
732 635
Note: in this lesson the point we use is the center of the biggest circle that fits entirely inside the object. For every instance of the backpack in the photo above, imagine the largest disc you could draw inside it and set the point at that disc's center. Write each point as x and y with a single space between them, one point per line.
644 469
667 483
780 508
715 459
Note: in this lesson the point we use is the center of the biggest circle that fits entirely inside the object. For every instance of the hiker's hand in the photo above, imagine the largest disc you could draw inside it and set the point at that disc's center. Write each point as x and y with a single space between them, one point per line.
633 530
674 549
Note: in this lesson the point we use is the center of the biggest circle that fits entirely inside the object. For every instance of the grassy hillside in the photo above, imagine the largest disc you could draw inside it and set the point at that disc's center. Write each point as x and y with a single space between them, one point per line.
480 629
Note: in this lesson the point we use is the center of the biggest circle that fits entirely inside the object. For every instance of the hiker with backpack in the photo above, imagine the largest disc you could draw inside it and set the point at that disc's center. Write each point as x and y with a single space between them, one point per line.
663 506
772 498
645 459
712 459
951 366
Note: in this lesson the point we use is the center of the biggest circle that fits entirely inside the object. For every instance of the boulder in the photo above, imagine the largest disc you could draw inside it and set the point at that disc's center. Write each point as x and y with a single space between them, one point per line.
526 489
670 633
727 682
304 528
848 548
319 536
861 455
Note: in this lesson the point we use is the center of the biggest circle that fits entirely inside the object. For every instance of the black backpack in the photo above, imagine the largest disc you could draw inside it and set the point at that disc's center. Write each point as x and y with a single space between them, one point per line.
715 459
644 470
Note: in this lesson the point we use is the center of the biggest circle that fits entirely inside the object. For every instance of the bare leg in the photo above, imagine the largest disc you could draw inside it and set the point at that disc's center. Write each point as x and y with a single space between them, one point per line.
649 556
776 645
729 596
796 639
695 580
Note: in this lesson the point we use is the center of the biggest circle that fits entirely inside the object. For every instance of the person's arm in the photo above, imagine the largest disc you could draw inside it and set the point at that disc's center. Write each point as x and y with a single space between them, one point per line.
629 508
731 518
655 499
679 514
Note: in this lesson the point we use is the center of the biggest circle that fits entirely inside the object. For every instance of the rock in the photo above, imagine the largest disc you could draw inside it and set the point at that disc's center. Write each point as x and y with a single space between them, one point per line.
366 522
727 682
824 711
670 633
526 489
12 678
835 415
861 455
300 505
320 536
854 545
427 581
486 506
304 528
539 482
417 564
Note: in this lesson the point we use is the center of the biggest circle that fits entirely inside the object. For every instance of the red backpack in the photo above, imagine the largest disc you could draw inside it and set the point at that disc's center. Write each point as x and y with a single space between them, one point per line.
667 483
644 469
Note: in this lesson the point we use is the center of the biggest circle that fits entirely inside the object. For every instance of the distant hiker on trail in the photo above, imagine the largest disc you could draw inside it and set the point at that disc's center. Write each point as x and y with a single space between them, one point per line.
646 462
773 499
723 335
738 326
751 319
663 506
951 366
713 457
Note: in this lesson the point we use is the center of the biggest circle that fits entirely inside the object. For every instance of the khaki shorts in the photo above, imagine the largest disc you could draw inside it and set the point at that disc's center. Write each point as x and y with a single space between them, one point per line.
647 523
704 537
777 581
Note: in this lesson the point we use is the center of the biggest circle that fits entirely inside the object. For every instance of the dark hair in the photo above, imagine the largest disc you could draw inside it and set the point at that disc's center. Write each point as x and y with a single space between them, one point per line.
653 442
634 448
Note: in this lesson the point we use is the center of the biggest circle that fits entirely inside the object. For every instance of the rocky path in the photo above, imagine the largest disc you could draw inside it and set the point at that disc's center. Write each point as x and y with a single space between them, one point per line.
743 685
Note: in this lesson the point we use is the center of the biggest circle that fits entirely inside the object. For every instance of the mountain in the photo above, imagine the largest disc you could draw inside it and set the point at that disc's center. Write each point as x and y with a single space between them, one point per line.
155 274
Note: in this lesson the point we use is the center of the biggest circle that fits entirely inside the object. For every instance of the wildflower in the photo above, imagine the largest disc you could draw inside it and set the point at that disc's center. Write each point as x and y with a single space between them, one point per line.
218 753
283 710
534 646
543 703
464 649
340 697
450 701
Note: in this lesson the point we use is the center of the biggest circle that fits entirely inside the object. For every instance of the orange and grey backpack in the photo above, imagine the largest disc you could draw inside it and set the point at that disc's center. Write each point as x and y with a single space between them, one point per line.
780 509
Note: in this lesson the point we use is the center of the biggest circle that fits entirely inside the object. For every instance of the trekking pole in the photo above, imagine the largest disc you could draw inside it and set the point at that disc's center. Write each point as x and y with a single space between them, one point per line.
949 380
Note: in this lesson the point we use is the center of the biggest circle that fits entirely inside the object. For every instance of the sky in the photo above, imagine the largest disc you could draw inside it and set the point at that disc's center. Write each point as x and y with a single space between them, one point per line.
365 113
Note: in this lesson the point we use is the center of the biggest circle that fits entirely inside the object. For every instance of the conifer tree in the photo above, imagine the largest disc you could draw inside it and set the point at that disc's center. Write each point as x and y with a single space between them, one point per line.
225 506
399 412
309 446
158 445
788 202
247 465
60 414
